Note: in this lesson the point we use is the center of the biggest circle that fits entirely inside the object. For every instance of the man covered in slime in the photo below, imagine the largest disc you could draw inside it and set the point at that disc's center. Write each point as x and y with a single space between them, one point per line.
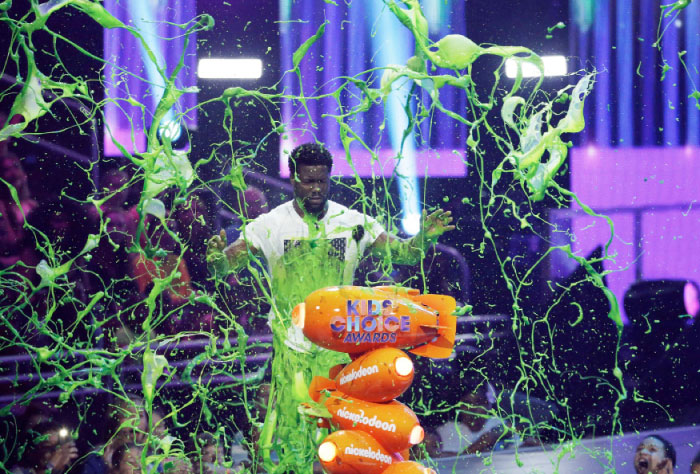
308 243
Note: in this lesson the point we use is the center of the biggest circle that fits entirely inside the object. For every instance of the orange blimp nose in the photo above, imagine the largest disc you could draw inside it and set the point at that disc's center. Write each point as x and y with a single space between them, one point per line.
351 452
355 319
408 467
392 424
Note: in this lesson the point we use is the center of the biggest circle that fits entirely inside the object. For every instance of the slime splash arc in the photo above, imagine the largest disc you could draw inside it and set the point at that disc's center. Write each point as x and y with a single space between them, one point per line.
528 131
375 431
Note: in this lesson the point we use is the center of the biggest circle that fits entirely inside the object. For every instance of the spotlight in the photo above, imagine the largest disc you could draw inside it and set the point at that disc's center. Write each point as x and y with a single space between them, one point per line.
170 130
665 300
411 224
174 132
229 68
553 66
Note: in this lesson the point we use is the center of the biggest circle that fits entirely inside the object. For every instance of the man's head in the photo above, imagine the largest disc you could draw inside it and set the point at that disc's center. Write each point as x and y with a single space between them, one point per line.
475 405
654 455
310 171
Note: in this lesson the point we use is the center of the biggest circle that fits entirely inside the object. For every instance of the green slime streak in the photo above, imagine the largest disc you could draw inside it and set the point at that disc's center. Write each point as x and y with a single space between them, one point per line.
285 432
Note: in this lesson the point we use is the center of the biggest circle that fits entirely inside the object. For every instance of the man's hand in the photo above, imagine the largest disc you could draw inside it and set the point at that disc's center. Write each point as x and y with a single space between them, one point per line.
216 258
436 224
63 455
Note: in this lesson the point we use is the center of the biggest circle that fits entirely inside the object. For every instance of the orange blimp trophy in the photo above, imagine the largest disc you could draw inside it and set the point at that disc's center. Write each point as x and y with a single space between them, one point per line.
373 325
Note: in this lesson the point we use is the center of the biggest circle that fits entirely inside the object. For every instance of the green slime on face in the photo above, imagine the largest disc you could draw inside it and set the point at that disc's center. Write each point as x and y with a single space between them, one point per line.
285 432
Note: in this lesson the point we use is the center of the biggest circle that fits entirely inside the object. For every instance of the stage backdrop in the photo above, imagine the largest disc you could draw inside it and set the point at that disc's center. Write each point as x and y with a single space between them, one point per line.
128 75
358 38
641 96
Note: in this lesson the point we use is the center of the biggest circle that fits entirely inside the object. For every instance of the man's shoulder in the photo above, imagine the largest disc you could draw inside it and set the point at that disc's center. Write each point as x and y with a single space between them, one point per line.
337 210
280 212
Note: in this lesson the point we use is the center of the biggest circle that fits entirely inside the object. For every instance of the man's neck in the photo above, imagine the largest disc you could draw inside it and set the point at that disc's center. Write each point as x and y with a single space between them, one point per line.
303 213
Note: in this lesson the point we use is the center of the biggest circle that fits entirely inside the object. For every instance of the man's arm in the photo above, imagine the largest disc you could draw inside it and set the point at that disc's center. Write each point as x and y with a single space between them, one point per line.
411 251
222 260
486 441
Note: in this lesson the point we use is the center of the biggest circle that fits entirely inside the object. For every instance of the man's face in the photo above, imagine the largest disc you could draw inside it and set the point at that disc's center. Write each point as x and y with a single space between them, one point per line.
311 187
651 457
131 462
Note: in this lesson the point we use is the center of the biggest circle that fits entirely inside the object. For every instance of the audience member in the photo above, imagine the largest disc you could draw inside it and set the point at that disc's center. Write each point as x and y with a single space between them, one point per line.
109 269
51 449
655 455
695 465
207 454
13 213
248 205
114 183
127 422
126 459
194 221
474 429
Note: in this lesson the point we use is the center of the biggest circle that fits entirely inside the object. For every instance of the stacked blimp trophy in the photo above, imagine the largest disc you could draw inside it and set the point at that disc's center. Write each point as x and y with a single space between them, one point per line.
374 431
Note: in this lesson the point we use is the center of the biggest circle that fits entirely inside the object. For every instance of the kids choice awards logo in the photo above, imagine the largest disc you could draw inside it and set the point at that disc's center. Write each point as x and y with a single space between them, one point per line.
370 321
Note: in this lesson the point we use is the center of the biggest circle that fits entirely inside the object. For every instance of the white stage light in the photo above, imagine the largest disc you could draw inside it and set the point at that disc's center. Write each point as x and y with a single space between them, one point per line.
229 68
411 224
553 66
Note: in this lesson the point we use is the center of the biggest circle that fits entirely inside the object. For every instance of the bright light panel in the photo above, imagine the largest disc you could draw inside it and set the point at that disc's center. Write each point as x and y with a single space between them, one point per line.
213 68
553 66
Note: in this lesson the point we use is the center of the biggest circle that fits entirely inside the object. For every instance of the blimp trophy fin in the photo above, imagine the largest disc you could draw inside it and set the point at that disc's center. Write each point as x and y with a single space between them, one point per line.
442 347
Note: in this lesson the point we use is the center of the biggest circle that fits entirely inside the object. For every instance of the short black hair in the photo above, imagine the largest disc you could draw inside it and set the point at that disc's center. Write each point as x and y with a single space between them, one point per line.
669 450
311 154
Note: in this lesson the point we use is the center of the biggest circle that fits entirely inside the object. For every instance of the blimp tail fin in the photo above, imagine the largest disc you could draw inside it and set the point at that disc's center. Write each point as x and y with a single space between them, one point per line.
318 385
442 347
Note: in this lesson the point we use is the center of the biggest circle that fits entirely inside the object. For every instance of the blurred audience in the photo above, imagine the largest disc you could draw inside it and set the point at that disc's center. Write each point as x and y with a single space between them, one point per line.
474 428
695 465
13 212
126 459
50 449
207 454
127 426
194 221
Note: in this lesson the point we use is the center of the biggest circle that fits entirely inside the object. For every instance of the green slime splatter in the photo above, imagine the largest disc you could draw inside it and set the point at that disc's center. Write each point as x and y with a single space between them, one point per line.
532 132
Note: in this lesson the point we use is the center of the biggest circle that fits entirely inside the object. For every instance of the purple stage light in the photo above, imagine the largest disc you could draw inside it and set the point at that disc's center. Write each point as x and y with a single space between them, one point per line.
691 299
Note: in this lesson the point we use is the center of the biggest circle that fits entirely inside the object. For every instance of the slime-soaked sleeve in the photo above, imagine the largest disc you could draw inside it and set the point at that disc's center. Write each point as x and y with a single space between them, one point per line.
373 229
257 233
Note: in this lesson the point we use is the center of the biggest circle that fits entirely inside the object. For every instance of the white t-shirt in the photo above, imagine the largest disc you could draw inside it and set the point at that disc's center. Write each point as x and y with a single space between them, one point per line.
456 437
345 233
